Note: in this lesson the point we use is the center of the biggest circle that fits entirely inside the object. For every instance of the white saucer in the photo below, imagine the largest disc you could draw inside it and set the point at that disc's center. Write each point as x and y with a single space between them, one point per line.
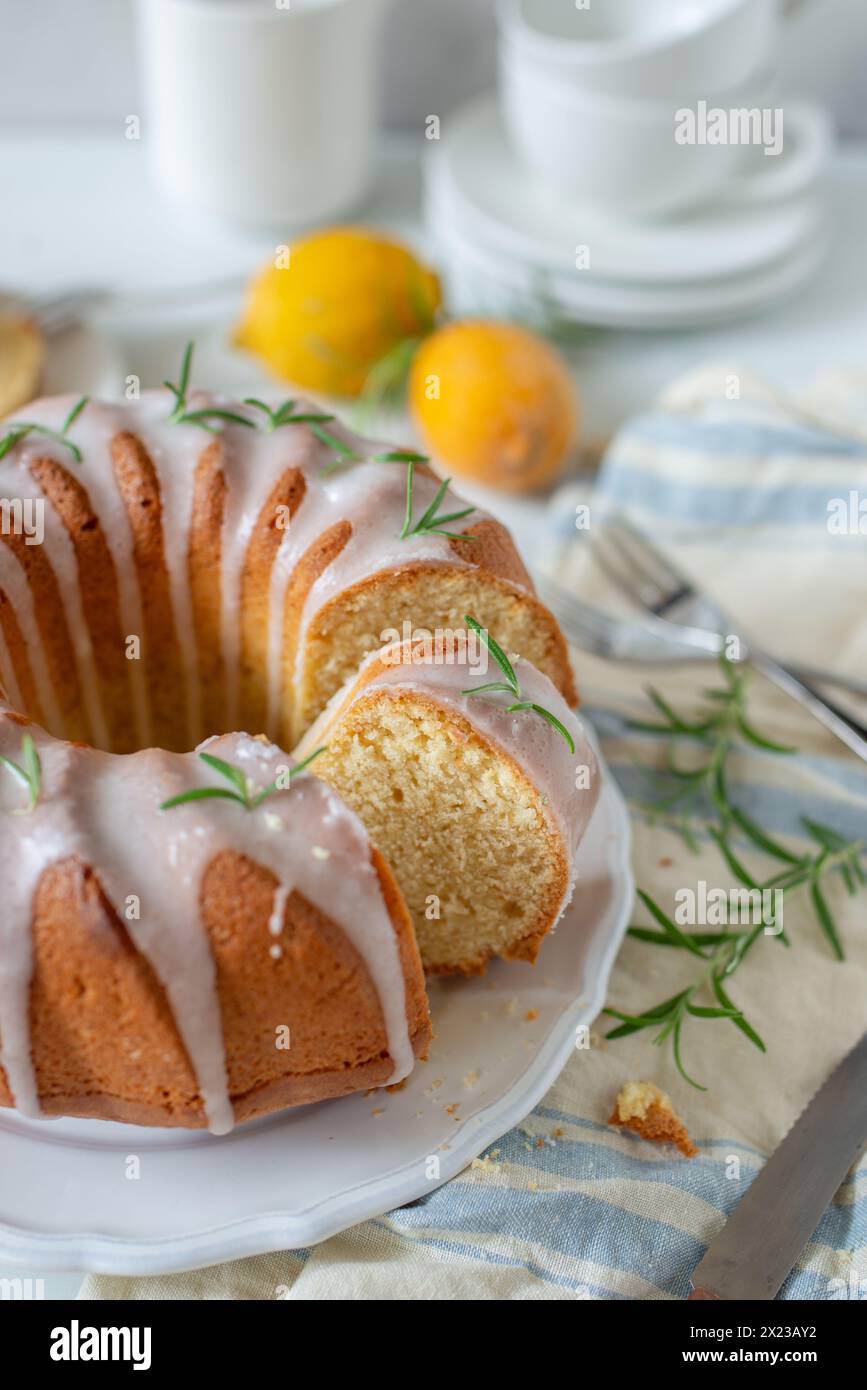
66 1201
479 283
493 202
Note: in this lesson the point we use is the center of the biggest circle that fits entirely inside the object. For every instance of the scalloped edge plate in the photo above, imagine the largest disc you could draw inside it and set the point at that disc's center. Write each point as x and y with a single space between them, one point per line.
295 1179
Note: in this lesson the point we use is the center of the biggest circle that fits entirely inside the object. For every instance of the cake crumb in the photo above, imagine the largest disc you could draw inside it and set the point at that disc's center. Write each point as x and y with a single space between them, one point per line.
531 1015
450 1109
485 1163
510 1008
648 1112
666 862
470 1080
376 1113
558 1133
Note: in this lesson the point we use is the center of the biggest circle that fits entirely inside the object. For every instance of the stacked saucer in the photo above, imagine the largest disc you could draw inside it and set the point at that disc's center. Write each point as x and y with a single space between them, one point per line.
634 169
511 243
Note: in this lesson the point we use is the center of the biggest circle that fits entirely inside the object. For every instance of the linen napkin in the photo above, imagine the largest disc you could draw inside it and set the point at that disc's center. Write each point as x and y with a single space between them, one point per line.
740 486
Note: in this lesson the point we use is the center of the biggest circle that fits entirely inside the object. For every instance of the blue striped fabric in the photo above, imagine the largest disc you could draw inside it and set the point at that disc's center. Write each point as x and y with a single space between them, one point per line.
566 1202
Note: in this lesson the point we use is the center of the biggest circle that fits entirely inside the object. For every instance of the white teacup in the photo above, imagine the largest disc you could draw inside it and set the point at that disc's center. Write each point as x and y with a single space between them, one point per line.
638 159
261 112
643 49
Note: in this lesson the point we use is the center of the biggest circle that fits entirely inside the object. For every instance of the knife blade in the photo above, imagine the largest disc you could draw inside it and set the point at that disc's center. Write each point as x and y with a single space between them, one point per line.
768 1229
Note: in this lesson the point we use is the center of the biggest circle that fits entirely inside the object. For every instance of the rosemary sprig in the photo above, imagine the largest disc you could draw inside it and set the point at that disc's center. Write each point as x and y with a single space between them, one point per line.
511 685
20 429
285 414
288 414
28 772
723 952
429 523
203 419
241 789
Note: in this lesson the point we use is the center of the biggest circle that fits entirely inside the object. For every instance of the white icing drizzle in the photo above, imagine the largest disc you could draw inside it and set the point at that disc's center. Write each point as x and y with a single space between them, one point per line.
536 746
9 688
25 853
89 800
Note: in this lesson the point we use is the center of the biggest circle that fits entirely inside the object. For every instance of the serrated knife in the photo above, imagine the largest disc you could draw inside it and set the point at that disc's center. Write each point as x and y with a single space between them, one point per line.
762 1239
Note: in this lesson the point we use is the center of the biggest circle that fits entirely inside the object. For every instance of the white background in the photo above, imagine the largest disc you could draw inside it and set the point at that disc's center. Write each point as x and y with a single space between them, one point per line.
74 60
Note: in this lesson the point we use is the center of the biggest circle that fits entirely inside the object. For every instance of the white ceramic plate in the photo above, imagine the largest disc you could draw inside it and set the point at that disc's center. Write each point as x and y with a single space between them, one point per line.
505 210
478 283
67 1202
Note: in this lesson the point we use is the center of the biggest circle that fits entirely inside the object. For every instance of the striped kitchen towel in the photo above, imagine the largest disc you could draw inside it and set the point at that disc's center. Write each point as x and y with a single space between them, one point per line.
760 498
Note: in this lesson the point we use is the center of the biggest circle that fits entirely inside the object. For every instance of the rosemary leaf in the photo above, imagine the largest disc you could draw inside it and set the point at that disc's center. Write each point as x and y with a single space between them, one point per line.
496 652
826 920
670 928
551 718
200 794
737 1017
759 740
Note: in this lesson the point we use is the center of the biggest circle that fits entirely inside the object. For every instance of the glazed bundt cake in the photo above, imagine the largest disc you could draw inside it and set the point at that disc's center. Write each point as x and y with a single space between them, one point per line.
193 938
476 781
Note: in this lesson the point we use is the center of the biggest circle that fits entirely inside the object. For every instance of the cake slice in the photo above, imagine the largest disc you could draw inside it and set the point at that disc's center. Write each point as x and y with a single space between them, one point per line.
474 782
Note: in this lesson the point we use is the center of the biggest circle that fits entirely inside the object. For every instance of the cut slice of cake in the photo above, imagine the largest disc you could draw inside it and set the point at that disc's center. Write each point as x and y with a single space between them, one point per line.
476 786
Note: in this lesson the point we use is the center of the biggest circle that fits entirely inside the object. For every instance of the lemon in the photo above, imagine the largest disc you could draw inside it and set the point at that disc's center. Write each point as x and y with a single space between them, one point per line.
495 403
344 299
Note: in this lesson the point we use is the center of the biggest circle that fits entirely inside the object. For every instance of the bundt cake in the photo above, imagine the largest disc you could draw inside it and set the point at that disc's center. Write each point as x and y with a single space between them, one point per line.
475 780
197 937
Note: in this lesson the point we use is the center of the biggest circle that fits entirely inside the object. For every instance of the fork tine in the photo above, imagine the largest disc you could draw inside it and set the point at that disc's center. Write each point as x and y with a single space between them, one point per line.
617 562
641 543
657 574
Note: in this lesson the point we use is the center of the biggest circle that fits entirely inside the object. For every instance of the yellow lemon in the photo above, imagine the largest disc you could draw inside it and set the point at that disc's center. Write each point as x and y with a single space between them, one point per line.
495 403
342 301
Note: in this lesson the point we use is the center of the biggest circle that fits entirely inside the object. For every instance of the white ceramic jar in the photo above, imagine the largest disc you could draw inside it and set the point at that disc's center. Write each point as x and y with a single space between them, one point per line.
259 112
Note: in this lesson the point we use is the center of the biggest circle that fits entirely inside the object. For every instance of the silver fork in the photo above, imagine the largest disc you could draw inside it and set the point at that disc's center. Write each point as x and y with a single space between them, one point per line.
653 640
649 579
